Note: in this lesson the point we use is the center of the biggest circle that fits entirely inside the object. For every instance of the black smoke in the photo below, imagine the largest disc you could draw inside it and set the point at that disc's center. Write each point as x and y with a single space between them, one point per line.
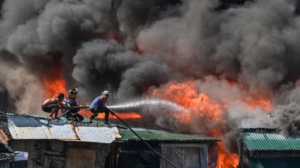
126 46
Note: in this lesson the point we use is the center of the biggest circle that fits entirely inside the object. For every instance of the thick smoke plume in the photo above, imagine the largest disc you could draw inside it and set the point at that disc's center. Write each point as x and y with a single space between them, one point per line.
229 68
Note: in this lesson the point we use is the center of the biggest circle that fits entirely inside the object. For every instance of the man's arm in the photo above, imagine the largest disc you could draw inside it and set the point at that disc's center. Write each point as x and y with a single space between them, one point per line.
64 107
45 102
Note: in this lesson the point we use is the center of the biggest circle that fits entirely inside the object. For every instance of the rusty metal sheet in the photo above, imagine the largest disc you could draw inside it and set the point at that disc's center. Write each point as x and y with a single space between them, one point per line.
93 133
25 127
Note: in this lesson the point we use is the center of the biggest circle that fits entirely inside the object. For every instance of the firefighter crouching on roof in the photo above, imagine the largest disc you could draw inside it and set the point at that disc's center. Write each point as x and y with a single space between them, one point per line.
51 105
70 101
98 106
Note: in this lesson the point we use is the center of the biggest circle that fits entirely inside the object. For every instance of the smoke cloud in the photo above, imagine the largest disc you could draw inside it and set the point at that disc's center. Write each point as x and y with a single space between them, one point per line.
227 68
23 87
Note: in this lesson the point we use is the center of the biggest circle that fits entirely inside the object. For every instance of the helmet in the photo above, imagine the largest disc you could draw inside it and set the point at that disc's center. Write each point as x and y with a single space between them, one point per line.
73 91
105 93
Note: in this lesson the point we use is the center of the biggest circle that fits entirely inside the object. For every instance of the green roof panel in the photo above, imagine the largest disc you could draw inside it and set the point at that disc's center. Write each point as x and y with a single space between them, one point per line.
162 135
270 140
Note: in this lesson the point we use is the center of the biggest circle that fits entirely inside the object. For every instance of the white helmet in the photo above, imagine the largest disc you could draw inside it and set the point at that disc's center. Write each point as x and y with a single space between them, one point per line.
105 93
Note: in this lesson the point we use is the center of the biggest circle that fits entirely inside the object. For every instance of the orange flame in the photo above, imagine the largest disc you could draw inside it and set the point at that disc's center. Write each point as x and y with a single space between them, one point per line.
54 84
226 160
260 100
186 95
129 115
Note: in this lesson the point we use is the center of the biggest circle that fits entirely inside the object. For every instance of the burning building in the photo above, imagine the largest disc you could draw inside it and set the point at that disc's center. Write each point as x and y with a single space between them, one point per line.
60 143
211 67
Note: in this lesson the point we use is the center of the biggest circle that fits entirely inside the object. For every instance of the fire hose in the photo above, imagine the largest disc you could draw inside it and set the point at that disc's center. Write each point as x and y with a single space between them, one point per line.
68 111
144 141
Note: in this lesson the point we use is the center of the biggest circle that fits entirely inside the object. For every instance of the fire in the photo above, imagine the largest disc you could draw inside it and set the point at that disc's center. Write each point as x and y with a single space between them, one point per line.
186 95
257 98
212 122
260 100
129 115
226 160
54 83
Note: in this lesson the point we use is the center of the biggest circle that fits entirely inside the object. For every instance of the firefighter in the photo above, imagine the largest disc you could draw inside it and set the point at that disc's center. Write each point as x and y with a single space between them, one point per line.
51 105
69 101
98 106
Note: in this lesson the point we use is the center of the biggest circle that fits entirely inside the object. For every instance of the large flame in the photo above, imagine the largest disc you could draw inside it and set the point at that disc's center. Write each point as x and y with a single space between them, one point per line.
54 83
184 94
260 99
211 113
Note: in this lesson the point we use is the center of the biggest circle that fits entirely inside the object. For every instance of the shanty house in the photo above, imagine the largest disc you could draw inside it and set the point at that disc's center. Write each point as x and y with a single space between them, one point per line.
67 144
267 148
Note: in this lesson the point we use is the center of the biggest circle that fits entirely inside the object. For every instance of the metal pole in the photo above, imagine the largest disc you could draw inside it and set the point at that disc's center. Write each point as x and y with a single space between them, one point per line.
65 113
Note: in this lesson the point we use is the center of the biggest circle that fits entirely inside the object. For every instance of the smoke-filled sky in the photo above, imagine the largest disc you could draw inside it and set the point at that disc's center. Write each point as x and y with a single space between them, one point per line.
135 47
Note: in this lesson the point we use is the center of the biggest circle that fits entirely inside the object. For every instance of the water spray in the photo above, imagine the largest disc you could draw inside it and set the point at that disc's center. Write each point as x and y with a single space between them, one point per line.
143 105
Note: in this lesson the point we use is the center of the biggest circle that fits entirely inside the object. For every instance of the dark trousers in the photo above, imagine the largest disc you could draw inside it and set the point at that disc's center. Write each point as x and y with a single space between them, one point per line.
75 116
78 117
100 110
49 108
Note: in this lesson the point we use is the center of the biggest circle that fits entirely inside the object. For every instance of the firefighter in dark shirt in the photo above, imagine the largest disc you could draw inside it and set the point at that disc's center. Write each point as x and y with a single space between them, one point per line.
70 101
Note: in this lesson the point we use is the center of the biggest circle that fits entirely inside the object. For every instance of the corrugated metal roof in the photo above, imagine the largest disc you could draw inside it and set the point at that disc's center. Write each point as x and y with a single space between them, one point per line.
269 140
27 127
22 127
85 132
162 135
92 133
